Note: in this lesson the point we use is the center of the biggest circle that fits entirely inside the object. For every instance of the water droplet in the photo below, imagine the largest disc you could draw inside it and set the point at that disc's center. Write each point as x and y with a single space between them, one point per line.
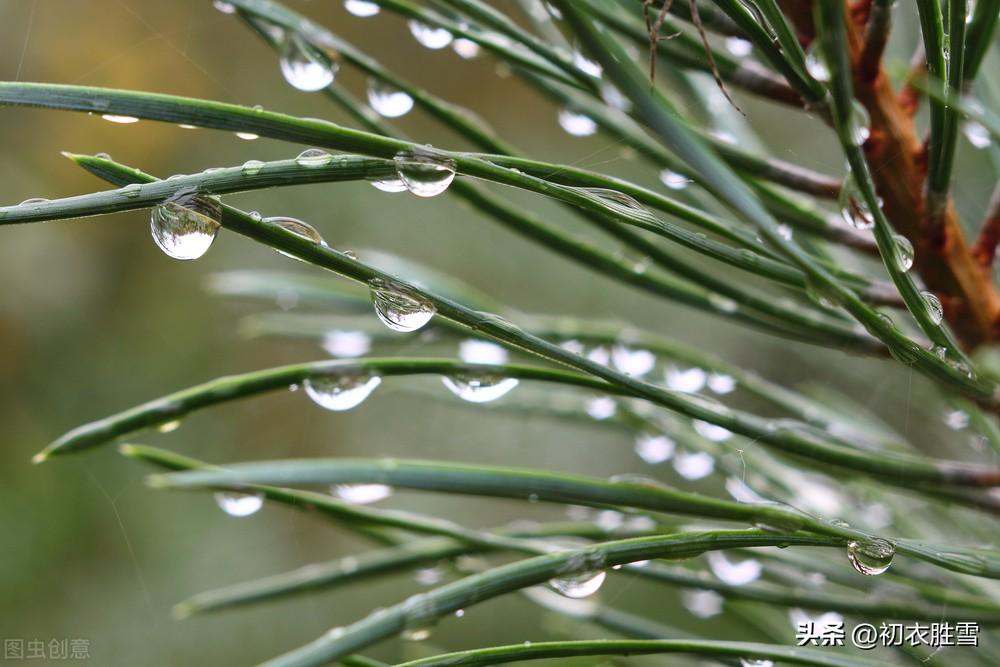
389 185
614 97
301 229
735 574
239 504
871 557
347 344
386 101
976 133
479 388
302 65
186 126
720 383
247 136
740 48
255 216
822 294
224 7
185 225
934 308
425 173
673 180
313 157
601 407
853 208
576 124
400 308
632 362
360 494
756 662
169 427
703 604
417 634
654 448
816 64
586 65
124 120
858 124
710 431
688 381
459 613
694 465
428 576
465 48
481 352
579 585
362 8
251 167
722 304
957 420
131 190
340 392
904 252
429 36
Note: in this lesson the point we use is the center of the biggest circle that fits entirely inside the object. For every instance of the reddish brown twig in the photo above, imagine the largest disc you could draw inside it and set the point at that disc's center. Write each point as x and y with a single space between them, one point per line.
989 234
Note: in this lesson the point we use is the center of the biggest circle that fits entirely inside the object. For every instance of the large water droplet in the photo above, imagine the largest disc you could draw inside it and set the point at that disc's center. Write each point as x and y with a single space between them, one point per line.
733 573
361 494
340 392
301 229
389 185
400 308
313 157
976 133
870 557
479 388
386 101
576 123
904 252
694 465
185 225
247 136
239 504
654 448
934 308
853 209
579 585
362 8
425 173
303 66
347 344
429 36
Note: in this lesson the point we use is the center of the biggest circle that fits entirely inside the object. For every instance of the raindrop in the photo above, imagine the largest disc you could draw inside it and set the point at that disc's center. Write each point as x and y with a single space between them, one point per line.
224 7
428 576
340 392
739 47
479 388
33 200
816 64
601 407
694 465
614 97
976 133
735 574
185 225
459 613
302 66
756 662
424 173
124 120
586 65
904 252
871 557
703 604
722 304
712 432
858 124
429 36
313 157
481 352
239 504
247 136
720 383
599 355
853 209
360 494
399 307
169 427
579 585
632 362
465 48
251 167
688 381
576 124
362 8
389 185
934 308
957 420
416 634
673 180
386 101
347 344
301 229
654 448
186 126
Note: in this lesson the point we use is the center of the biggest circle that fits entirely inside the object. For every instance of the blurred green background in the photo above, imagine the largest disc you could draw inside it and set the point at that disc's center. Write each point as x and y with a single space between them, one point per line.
94 318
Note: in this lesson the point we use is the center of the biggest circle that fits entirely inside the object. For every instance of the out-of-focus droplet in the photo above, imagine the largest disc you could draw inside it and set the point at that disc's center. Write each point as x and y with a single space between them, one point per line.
858 123
424 173
239 504
636 362
579 585
601 407
654 448
957 420
756 662
340 392
465 48
710 431
694 465
720 383
816 64
386 101
398 307
361 494
739 47
977 134
481 352
702 604
247 136
673 180
576 124
870 557
169 427
428 36
347 344
586 65
224 7
123 120
688 380
361 8
733 573
185 225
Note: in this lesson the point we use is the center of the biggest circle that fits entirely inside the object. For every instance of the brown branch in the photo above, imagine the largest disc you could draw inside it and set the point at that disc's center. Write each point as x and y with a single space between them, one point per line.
989 234
876 37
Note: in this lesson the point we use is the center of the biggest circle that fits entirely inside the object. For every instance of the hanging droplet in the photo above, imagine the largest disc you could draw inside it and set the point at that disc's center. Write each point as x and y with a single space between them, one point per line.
720 383
977 134
465 48
654 448
247 136
479 388
301 229
576 124
636 362
579 585
224 7
388 102
239 504
871 557
340 392
694 465
347 344
934 308
251 167
853 209
734 573
185 225
688 381
313 157
816 63
302 65
429 36
361 494
362 8
756 662
858 124
399 307
904 252
673 180
123 120
424 173
739 47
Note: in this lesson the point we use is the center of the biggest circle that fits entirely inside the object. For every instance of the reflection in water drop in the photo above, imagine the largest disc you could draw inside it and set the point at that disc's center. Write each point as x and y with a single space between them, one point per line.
473 351
424 173
388 102
579 585
124 120
871 557
479 388
340 392
185 225
399 307
302 65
